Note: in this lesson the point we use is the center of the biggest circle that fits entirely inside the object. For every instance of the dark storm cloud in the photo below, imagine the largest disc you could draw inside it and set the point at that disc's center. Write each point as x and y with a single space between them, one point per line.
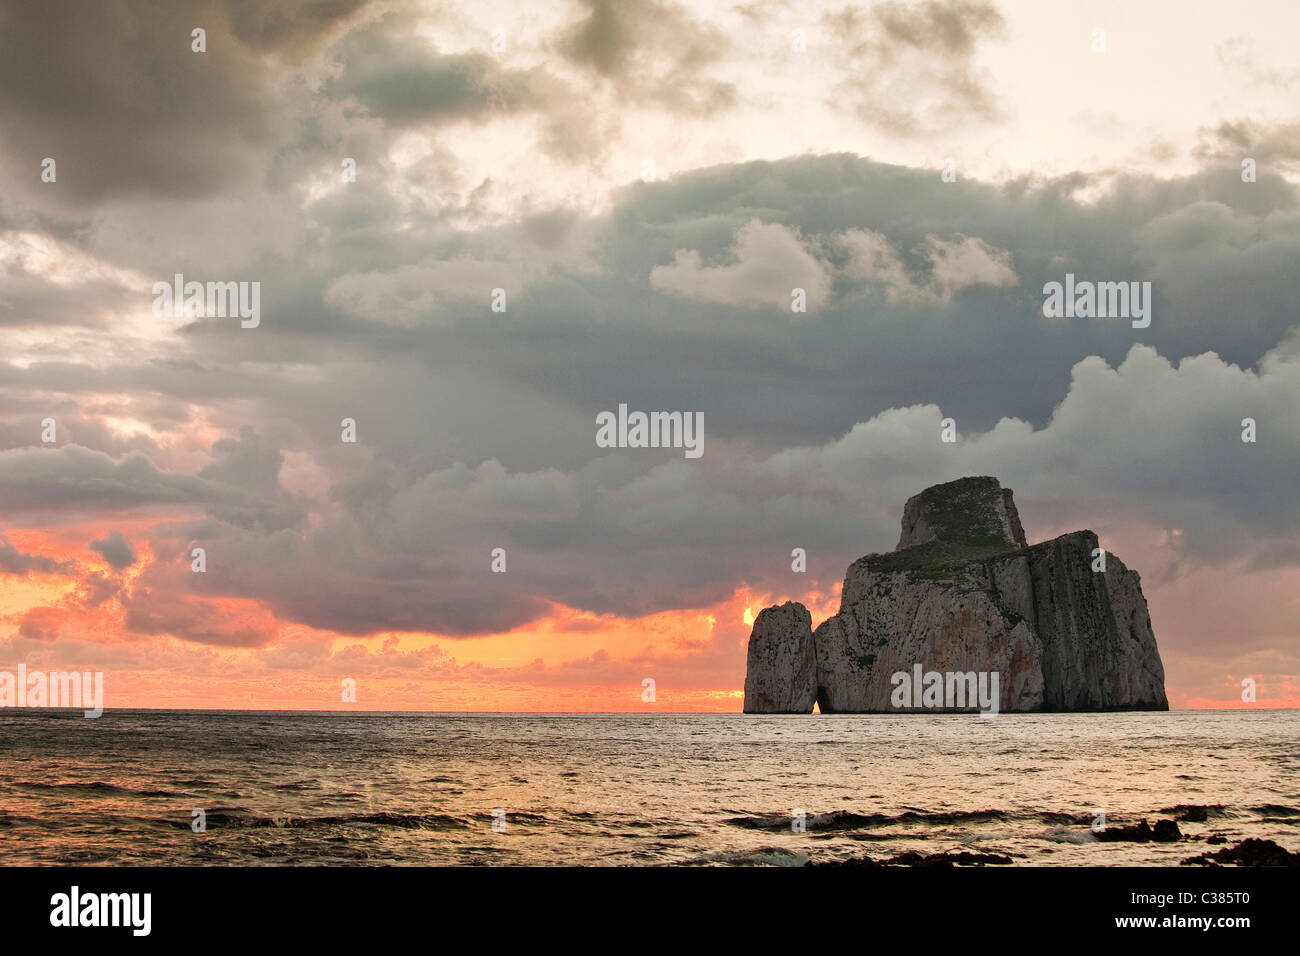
287 27
476 429
1210 247
339 577
1145 444
1216 252
112 91
250 464
73 479
116 550
404 79
13 561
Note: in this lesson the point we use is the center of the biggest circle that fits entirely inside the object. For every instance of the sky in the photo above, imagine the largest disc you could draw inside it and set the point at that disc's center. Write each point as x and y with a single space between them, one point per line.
637 187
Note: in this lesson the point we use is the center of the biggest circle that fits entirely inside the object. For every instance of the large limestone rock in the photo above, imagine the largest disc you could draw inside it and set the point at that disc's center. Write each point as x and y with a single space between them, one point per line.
781 670
964 593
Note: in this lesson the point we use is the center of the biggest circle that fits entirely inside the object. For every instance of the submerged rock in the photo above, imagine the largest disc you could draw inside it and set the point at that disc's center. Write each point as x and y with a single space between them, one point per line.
965 599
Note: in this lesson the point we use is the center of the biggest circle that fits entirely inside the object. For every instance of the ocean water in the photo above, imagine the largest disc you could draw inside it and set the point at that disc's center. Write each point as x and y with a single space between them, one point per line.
632 790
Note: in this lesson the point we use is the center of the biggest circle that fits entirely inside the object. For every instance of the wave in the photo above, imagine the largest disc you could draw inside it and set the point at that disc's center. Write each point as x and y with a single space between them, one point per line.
849 820
93 786
763 856
239 818
842 820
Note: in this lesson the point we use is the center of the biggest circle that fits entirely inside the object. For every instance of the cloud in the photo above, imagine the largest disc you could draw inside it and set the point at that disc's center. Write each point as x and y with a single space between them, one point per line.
113 92
1148 453
116 550
1270 145
42 624
1241 54
72 477
409 295
969 261
49 283
404 79
909 69
239 486
13 561
150 611
476 429
250 464
770 261
954 265
652 53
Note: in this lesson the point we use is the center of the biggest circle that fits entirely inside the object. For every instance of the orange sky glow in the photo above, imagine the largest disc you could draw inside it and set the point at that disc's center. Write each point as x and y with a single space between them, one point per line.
568 661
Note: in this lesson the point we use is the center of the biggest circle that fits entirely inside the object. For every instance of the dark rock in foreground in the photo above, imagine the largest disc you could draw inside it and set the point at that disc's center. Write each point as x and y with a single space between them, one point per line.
1166 831
965 595
1250 852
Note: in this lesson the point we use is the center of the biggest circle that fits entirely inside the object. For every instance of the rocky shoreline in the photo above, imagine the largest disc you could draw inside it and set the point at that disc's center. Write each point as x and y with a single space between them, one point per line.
1164 829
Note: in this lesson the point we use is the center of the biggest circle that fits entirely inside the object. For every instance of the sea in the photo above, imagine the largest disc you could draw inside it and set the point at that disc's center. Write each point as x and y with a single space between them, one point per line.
269 789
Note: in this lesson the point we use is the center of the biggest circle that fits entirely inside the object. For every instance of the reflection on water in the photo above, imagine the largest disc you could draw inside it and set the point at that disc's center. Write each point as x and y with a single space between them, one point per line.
624 789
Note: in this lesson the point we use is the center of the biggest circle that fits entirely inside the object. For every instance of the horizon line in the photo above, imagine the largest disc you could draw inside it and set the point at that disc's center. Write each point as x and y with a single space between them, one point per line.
622 713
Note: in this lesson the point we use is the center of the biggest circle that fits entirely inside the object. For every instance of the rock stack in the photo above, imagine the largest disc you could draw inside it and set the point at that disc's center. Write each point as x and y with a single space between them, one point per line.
964 592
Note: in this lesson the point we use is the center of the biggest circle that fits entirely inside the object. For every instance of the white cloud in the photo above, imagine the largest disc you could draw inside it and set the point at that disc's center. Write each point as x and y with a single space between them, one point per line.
770 260
968 262
955 264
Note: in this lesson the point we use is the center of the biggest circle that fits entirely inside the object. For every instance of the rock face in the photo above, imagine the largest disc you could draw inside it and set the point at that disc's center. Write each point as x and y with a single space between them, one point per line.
969 511
781 670
964 594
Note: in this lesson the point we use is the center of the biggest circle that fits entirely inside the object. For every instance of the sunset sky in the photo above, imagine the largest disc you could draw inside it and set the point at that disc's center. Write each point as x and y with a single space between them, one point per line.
524 164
